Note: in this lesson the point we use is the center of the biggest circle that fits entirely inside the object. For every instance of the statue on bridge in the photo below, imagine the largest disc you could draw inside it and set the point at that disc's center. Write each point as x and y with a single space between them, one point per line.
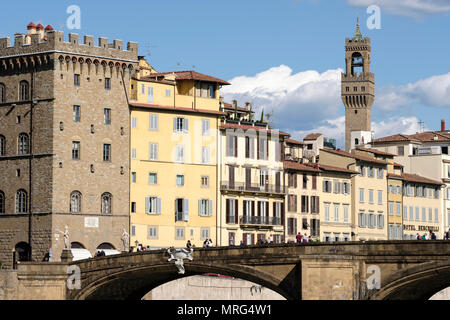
67 245
125 241
179 255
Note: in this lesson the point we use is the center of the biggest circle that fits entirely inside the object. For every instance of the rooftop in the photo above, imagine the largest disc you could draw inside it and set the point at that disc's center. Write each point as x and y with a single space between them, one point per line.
189 75
354 156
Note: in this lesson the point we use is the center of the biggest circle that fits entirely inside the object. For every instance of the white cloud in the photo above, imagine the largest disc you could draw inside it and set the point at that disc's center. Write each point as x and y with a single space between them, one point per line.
410 8
310 101
433 91
294 98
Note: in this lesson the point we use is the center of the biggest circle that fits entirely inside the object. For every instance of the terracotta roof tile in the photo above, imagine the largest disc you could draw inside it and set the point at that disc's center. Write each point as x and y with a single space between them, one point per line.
336 169
190 75
375 151
229 106
293 165
354 156
312 136
420 179
292 141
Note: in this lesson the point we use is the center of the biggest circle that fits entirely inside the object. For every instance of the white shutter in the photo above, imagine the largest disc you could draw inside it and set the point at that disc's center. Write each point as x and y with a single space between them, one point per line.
186 209
147 205
200 207
175 124
158 206
186 122
210 208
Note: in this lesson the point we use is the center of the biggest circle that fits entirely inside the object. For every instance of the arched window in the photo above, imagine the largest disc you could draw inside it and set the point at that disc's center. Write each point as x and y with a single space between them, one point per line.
2 93
75 202
24 144
106 203
2 146
21 201
2 202
24 91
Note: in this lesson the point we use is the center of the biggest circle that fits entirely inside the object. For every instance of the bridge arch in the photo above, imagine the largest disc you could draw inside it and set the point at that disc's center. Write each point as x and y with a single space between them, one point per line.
135 283
420 282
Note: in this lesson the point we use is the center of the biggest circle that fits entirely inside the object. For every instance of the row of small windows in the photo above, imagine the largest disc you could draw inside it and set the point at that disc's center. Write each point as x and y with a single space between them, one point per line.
77 81
180 152
106 115
180 181
371 172
76 151
371 196
180 233
414 214
23 145
76 202
363 89
24 91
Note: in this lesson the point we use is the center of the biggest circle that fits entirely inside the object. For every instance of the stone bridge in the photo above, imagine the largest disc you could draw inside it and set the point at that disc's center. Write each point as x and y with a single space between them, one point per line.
404 270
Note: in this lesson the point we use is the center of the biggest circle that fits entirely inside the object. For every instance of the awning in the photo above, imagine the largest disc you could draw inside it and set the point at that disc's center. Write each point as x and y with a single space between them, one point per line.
109 252
80 254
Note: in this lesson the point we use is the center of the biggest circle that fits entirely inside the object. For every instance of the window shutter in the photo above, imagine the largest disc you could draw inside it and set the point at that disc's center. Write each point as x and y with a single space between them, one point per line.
244 208
186 209
236 214
324 186
147 205
253 238
236 146
267 209
253 208
259 208
282 214
227 210
317 205
258 147
274 209
199 207
236 208
295 225
186 122
158 206
175 124
210 208
295 204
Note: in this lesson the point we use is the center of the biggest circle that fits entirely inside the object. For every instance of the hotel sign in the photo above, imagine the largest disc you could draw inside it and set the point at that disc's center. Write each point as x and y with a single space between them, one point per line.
420 228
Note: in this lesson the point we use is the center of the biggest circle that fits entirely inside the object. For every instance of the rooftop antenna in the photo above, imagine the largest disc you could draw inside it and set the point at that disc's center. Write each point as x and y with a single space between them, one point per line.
421 126
148 49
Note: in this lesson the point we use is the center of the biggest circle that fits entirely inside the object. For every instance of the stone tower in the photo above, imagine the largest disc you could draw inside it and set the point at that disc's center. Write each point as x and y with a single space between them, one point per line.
357 90
64 142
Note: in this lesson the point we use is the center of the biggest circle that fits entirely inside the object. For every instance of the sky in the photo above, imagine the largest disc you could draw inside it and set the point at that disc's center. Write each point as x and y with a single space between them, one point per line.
285 56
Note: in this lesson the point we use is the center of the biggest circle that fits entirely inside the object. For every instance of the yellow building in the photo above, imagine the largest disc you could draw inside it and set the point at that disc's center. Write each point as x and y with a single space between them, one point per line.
336 203
368 191
174 125
422 206
252 191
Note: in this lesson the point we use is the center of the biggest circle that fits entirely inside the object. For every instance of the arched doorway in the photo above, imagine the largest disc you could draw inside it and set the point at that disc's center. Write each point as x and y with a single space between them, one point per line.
22 251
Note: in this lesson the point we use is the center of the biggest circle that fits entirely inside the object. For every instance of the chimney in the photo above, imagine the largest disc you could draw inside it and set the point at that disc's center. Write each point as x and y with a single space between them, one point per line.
31 28
442 124
40 30
248 105
234 103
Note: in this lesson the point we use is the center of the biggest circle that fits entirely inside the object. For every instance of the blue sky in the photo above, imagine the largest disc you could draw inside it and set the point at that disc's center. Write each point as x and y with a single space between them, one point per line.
256 44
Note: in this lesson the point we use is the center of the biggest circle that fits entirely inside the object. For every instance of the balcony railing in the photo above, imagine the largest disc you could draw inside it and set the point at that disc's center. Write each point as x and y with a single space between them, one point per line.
262 221
252 187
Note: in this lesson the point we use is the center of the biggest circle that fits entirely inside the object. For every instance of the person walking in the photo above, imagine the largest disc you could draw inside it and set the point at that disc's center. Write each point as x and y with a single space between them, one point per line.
299 237
447 234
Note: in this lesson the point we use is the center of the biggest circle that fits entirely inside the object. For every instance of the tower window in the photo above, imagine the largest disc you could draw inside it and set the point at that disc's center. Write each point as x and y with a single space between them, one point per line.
357 63
355 88
363 88
347 89
356 111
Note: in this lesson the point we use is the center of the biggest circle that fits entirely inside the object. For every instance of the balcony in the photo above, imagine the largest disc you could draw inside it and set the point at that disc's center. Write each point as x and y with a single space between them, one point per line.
252 187
260 221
